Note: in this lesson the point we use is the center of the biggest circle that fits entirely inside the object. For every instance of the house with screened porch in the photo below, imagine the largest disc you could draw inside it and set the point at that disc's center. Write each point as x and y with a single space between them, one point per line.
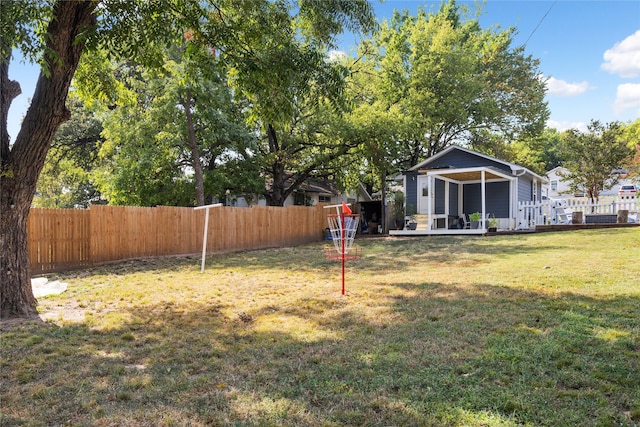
443 192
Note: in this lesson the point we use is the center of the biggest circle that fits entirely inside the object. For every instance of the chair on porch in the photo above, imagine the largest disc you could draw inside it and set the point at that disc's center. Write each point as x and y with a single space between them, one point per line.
465 221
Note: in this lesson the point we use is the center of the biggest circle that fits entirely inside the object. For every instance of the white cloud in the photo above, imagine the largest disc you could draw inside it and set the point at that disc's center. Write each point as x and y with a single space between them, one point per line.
624 57
627 96
563 88
336 55
564 125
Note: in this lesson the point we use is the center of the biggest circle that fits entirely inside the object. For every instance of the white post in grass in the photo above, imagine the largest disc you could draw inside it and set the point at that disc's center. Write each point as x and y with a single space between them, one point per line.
206 230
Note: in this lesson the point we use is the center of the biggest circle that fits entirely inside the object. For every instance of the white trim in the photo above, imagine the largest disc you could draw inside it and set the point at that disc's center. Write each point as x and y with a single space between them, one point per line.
514 168
440 172
215 205
483 191
478 181
447 195
513 195
431 175
460 198
429 204
420 181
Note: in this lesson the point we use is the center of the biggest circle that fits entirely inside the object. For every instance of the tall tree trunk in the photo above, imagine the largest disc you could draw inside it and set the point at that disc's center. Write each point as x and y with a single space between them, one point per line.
283 181
192 143
21 164
276 195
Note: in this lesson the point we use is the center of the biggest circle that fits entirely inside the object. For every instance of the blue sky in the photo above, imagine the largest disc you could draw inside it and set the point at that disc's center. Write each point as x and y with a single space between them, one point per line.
590 51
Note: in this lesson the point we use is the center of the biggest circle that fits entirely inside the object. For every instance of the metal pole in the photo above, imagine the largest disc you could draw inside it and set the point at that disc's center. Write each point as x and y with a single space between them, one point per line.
204 242
342 250
206 229
342 235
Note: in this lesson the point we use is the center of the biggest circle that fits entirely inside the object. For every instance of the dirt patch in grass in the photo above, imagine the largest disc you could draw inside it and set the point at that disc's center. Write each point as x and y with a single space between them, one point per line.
66 313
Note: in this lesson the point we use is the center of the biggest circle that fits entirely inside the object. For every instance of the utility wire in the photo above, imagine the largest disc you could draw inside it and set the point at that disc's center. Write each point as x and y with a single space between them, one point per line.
540 23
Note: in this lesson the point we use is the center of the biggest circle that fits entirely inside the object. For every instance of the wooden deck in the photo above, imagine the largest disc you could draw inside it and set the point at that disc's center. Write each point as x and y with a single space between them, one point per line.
437 232
423 229
569 227
480 232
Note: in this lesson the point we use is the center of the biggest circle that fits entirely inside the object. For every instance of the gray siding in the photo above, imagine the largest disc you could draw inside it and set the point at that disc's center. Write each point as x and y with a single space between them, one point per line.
439 196
525 189
471 198
497 201
453 198
462 159
411 194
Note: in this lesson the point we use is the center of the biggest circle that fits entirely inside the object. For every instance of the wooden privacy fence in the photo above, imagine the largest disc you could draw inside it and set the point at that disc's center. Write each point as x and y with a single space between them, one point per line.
62 239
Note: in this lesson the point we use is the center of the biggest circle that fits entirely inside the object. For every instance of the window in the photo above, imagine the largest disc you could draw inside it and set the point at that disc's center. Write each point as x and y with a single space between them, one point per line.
554 185
324 199
301 199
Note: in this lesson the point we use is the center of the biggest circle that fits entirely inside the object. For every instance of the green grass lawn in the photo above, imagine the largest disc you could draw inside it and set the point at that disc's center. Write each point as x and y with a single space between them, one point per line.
534 329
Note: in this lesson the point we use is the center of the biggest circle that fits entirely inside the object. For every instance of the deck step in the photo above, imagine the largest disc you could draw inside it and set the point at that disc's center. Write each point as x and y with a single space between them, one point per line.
422 222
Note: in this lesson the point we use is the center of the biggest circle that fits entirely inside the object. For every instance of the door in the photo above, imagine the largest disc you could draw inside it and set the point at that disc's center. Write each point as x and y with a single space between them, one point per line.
423 194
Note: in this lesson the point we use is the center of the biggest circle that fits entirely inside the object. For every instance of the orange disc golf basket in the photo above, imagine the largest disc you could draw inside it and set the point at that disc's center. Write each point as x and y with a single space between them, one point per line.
342 227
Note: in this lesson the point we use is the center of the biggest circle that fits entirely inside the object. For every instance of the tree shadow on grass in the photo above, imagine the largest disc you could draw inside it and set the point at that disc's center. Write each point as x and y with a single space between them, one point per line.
443 356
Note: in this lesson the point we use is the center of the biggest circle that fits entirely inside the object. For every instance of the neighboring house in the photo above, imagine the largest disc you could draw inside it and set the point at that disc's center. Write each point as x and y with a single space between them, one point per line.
559 184
460 181
310 193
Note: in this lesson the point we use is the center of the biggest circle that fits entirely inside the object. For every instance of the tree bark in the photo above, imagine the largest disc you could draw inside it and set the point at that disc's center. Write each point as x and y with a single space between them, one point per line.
21 164
192 143
9 90
285 181
276 195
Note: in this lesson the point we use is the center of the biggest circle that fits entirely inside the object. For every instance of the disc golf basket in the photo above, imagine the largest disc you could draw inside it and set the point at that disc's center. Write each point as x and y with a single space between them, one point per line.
342 228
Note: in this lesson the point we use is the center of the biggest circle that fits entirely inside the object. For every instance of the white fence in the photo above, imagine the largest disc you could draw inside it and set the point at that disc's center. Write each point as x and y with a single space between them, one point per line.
560 211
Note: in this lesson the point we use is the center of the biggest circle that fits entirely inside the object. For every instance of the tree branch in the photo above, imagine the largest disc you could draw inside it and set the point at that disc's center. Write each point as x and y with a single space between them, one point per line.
9 90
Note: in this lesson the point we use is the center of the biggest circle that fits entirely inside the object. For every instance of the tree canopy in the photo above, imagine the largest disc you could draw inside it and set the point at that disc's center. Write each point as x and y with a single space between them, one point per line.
594 157
57 33
453 81
66 180
425 81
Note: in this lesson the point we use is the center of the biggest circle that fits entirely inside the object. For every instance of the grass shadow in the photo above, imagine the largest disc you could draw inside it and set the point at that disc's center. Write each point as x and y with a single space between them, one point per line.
444 356
264 338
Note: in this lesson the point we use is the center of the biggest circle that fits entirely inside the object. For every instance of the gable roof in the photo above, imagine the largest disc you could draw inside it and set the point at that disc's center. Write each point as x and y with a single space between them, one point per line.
515 169
557 171
311 185
321 186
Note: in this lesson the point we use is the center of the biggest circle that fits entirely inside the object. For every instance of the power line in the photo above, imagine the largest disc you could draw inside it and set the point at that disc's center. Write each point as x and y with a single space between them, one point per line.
539 23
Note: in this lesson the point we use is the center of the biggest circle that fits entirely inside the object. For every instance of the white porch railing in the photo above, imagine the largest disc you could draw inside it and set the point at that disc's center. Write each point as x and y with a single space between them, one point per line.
560 211
531 214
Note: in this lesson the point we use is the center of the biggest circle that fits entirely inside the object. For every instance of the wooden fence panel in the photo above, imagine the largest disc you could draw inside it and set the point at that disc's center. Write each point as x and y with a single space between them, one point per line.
260 226
179 230
61 239
58 239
